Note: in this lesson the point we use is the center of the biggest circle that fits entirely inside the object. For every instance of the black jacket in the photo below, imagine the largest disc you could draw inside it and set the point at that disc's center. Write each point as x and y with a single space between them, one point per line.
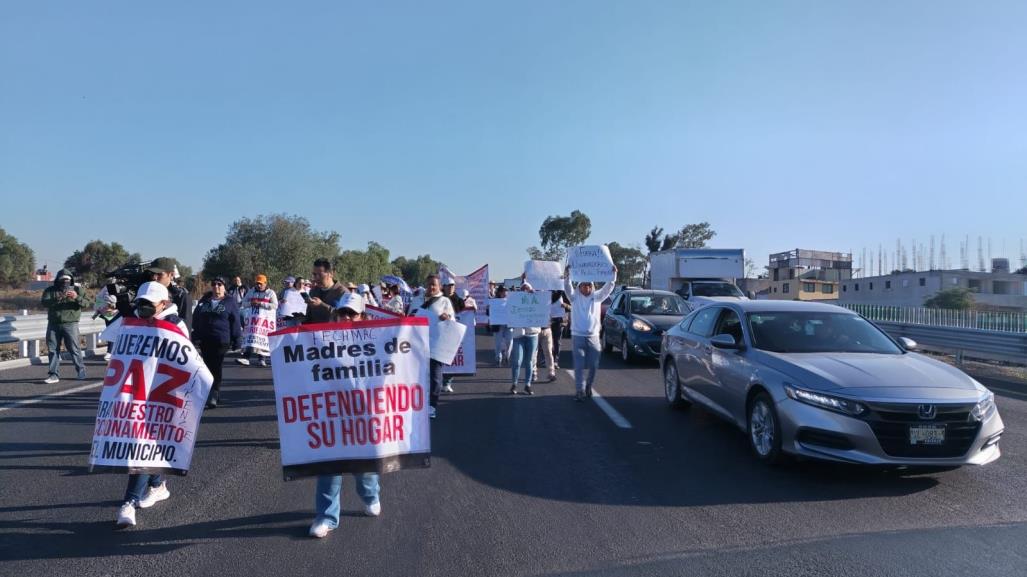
184 302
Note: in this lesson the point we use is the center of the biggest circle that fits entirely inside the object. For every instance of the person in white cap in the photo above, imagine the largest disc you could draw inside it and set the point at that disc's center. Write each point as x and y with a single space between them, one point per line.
364 290
436 308
449 291
145 490
525 345
328 493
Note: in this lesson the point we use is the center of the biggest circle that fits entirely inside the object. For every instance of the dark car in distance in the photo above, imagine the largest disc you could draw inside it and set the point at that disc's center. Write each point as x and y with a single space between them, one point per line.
637 319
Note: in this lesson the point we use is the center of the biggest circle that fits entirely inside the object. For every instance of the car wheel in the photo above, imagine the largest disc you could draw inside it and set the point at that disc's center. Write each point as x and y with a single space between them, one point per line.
607 347
625 351
672 387
764 429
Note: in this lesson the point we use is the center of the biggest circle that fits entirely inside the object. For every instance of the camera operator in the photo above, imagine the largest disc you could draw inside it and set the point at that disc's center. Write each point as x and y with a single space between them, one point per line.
64 302
162 270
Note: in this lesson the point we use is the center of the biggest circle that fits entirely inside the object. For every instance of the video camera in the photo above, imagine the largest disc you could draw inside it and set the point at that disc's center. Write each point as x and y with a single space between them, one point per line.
125 282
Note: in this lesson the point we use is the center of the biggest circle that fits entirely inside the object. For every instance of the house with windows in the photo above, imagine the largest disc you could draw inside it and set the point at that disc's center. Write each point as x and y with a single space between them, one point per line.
996 290
808 275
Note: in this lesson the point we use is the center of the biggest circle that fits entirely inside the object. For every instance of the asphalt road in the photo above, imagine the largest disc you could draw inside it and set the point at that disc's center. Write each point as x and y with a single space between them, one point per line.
519 486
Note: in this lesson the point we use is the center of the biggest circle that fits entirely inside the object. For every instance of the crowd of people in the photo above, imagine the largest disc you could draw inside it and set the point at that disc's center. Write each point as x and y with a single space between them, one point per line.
217 321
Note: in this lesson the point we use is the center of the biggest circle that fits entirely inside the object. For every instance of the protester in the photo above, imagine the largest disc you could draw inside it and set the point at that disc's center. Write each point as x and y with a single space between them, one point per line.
259 298
503 342
162 270
449 291
328 495
394 301
291 307
557 313
64 302
287 283
238 290
145 490
216 327
364 291
586 312
105 306
437 308
525 342
324 293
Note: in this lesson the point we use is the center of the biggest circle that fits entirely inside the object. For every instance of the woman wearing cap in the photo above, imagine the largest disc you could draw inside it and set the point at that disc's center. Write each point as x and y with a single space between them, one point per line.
145 490
525 344
260 297
328 494
215 328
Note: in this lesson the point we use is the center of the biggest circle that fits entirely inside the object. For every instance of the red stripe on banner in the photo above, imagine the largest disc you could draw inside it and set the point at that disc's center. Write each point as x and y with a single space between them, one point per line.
376 323
159 323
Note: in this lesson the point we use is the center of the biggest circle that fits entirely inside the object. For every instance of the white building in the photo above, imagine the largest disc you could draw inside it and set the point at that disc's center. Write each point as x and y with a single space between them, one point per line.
992 290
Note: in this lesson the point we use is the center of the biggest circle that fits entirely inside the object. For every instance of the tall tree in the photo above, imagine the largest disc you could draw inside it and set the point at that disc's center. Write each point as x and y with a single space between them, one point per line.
364 266
17 261
630 263
276 245
558 233
653 240
414 271
96 259
694 235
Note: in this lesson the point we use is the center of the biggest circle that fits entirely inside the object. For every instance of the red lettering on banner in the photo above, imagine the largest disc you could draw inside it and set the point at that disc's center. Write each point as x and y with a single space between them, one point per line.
176 378
115 370
137 386
289 409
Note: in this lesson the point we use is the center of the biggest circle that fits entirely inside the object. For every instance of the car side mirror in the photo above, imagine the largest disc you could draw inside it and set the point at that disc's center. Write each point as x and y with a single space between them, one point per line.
751 295
725 341
907 343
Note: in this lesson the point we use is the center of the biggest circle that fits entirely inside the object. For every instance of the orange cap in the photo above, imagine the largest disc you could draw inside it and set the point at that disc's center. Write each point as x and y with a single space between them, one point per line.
261 279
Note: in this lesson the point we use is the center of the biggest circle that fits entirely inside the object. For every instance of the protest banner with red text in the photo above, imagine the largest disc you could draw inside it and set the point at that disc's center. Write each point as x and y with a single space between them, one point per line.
373 312
258 323
352 397
466 360
151 402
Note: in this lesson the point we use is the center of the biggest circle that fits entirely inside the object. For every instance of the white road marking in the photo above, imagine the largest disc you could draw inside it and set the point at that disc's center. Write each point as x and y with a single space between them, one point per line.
617 418
35 400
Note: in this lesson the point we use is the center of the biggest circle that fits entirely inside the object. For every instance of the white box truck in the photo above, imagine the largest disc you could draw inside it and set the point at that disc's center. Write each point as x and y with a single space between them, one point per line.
700 275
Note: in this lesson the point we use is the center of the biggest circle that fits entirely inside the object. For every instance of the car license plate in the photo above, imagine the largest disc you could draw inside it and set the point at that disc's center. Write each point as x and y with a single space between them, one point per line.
927 435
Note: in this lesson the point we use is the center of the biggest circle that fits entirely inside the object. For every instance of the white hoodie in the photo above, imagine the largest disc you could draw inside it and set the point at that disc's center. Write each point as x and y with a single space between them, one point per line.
586 311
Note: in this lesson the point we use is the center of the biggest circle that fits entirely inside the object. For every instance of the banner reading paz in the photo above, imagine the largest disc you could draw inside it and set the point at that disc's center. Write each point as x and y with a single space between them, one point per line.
151 402
352 397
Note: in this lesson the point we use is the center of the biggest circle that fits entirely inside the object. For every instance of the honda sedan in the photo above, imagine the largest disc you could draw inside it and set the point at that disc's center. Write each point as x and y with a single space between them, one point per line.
820 381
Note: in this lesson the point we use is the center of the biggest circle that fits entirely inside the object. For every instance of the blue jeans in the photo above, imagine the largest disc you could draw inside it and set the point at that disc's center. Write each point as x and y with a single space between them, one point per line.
524 358
67 333
503 344
436 376
137 485
328 500
586 358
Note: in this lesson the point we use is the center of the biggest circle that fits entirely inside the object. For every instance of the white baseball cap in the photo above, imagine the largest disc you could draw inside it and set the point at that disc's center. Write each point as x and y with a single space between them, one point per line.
351 301
463 293
363 288
153 291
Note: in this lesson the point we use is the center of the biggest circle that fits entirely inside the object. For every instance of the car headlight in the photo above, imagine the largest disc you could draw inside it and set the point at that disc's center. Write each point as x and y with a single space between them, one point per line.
984 408
641 326
837 404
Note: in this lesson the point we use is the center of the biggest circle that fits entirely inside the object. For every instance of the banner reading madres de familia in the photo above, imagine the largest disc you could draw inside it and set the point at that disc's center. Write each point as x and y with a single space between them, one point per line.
352 397
152 398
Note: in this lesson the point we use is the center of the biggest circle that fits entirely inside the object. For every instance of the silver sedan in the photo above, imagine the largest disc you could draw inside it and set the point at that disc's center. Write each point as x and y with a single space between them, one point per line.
820 381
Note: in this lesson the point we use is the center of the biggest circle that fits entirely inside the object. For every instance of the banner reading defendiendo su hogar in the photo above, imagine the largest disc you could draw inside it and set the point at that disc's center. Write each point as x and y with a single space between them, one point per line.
352 397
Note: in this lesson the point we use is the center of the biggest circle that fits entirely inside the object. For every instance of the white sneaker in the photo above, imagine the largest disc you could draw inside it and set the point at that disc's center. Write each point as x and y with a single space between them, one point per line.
52 380
243 362
447 389
154 495
127 515
320 529
374 509
263 362
431 412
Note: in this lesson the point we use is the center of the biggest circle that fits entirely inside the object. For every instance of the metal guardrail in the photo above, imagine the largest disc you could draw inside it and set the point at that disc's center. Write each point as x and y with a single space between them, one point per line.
29 331
1013 322
988 345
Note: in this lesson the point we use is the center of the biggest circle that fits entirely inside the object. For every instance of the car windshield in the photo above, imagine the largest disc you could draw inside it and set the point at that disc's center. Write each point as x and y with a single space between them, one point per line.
817 332
658 305
715 289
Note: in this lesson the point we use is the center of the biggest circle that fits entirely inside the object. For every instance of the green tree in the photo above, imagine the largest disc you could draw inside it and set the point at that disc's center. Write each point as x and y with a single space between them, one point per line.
653 240
275 245
96 259
17 261
630 263
694 235
557 233
364 266
414 271
951 298
1022 270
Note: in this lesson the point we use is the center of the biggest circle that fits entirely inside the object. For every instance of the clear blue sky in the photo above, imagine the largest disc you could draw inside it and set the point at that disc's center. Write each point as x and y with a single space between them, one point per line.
455 128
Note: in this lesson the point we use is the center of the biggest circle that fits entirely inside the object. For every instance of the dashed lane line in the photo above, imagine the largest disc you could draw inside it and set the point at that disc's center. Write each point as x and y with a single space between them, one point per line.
615 416
35 400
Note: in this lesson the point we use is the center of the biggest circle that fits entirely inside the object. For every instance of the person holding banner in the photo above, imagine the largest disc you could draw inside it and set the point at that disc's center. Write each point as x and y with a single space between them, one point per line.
525 345
449 290
291 306
557 313
586 312
216 327
260 299
503 342
328 494
437 308
146 490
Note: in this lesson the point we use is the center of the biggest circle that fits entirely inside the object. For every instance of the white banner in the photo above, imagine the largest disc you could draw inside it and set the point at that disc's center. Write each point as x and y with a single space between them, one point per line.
152 398
512 283
526 309
258 323
591 263
374 312
352 397
497 312
465 362
544 275
446 340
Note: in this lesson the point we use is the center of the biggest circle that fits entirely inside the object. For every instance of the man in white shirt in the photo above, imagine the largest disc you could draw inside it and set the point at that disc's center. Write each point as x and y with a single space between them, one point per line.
586 313
437 308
